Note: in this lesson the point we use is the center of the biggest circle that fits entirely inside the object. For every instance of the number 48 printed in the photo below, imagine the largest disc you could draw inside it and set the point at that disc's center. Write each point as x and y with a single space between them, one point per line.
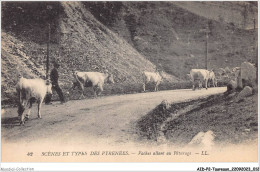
30 154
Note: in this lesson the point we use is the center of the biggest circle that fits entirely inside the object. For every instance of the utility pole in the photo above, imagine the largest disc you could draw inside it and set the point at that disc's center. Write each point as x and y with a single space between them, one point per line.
49 7
48 50
255 42
206 60
207 37
254 23
256 48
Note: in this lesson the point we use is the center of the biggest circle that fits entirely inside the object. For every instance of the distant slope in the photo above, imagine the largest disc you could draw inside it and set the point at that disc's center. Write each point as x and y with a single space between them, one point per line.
170 34
240 13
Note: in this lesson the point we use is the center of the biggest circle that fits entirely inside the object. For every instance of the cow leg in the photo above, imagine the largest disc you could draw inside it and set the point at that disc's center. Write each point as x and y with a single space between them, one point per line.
156 86
21 107
206 84
22 119
200 84
82 89
95 91
21 111
193 84
29 109
39 108
209 82
100 89
81 96
144 87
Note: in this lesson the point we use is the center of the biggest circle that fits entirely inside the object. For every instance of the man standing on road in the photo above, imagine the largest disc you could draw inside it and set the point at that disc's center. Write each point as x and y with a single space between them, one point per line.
54 76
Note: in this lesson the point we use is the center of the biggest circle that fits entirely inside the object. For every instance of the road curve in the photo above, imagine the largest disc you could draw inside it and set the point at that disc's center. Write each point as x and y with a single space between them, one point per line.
106 119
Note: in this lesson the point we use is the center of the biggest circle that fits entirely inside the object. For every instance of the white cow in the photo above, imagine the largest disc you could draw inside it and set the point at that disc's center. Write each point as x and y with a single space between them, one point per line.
200 75
28 91
154 77
212 78
95 80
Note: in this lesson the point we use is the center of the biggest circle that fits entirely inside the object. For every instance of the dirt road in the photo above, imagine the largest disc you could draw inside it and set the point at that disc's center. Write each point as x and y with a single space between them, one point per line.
106 125
108 120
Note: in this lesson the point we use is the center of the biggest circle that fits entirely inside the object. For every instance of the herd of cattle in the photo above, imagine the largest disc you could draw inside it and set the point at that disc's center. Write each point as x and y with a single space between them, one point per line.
31 90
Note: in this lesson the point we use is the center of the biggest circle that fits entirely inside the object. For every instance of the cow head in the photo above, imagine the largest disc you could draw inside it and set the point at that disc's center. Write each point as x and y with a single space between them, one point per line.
110 79
162 74
48 86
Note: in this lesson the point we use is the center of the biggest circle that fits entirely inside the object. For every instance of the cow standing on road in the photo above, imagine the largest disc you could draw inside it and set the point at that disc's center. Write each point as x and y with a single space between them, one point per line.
95 80
29 90
200 75
154 77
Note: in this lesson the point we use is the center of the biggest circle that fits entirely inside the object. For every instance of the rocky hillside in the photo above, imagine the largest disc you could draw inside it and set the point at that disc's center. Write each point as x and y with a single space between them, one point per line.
125 38
78 41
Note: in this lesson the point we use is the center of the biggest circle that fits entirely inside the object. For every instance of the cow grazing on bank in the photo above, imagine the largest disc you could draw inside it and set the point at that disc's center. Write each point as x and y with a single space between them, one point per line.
153 77
28 91
95 80
200 75
212 78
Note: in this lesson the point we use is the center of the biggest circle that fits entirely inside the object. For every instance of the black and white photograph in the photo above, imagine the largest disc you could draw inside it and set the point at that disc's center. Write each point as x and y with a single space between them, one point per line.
129 81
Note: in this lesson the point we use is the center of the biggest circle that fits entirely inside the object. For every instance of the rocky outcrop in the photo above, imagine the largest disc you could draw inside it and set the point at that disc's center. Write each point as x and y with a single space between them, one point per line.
203 139
232 85
248 74
247 91
245 78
